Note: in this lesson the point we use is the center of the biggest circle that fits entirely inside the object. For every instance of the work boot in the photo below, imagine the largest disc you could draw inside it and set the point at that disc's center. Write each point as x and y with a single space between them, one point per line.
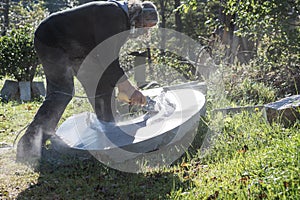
29 149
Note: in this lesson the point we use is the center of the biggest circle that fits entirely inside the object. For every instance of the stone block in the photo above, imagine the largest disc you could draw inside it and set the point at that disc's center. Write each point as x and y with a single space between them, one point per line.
10 90
25 90
238 109
286 110
38 89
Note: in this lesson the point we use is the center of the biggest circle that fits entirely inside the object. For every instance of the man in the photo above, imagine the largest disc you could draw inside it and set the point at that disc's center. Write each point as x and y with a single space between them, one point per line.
63 42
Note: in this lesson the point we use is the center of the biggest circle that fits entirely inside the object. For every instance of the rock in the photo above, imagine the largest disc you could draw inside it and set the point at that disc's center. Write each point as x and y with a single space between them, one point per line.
286 110
25 90
10 90
238 109
13 90
38 89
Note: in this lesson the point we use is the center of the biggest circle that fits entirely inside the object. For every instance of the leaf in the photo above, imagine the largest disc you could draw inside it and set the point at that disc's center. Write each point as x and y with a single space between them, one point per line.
185 164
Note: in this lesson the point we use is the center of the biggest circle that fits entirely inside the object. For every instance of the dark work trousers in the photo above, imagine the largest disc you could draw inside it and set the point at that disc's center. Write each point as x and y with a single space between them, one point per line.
60 70
65 43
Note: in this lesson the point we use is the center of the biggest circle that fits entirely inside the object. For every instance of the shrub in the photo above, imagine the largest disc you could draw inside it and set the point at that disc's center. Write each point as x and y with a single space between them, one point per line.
17 55
253 92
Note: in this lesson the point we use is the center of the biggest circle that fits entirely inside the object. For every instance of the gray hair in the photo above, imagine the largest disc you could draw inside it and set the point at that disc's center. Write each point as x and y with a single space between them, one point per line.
142 11
134 8
149 11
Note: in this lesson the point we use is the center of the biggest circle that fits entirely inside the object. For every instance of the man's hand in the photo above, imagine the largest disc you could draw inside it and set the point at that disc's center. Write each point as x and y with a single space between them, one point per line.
137 98
130 94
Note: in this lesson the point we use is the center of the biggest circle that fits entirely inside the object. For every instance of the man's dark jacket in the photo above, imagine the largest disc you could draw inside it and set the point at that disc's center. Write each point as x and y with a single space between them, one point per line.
79 30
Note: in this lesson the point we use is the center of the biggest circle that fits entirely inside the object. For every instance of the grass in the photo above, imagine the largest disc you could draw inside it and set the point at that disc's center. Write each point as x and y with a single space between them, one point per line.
251 159
246 158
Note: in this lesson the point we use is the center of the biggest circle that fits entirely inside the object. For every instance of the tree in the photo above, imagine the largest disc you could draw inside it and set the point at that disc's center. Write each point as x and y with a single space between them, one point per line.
275 24
17 54
245 24
270 28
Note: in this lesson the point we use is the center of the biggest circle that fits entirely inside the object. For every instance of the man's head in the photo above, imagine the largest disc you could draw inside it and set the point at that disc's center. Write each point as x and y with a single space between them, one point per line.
149 15
143 15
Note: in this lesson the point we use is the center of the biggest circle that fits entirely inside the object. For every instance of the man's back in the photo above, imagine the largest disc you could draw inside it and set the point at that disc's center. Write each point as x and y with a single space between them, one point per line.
82 28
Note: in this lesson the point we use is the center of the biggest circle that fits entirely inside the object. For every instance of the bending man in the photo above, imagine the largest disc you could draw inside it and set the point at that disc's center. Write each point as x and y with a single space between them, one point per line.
63 42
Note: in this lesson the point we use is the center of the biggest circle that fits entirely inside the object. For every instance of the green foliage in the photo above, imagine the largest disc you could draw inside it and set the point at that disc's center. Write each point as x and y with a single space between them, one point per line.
271 27
17 54
18 57
251 92
26 13
258 18
174 67
199 18
57 5
275 24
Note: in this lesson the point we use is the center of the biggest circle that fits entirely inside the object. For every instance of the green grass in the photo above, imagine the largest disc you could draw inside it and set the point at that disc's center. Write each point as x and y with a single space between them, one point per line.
248 159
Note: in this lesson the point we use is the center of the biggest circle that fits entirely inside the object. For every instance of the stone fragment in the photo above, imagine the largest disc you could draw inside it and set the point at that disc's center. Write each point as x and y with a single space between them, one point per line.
286 110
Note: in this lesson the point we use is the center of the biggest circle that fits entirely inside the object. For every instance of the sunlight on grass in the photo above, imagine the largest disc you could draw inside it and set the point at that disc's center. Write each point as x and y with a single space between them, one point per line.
251 159
245 158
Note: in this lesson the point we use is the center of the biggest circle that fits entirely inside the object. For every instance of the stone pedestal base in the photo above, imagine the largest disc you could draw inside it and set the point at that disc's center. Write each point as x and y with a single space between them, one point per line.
24 91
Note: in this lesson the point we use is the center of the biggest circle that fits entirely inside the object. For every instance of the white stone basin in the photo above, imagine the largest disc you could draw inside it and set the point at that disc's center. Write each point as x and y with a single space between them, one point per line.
129 139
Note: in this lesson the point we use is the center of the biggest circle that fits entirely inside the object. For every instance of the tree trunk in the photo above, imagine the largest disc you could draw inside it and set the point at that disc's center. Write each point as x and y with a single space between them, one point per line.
240 48
162 25
178 21
162 14
6 16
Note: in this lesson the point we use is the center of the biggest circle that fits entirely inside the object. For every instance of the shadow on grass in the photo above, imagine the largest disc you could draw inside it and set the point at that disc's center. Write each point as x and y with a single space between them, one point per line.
64 177
70 178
